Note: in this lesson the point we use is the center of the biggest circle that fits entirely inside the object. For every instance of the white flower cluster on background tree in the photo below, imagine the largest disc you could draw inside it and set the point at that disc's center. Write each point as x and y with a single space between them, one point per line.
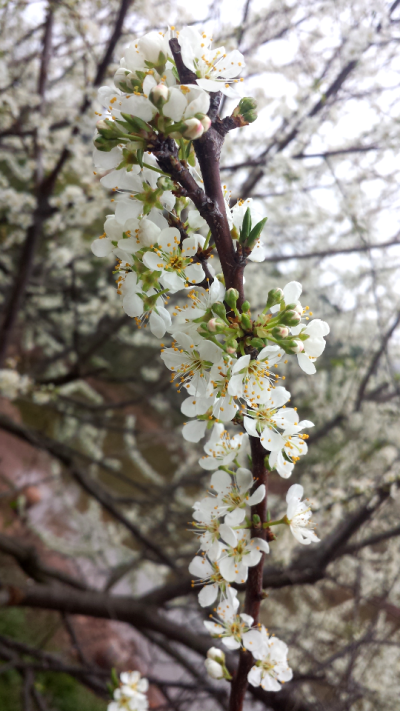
240 357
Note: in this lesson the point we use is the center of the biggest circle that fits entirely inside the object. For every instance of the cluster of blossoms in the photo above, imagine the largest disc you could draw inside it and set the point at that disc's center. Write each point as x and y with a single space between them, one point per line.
221 355
131 693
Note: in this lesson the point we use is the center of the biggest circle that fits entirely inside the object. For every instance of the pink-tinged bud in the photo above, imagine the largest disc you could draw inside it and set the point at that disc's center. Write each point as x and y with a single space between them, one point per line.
192 128
283 332
159 95
231 350
212 325
206 123
299 348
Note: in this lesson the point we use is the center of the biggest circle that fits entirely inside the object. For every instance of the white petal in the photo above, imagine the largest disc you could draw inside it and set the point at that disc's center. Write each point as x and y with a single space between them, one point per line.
195 273
317 328
208 595
200 567
227 568
292 292
244 479
306 364
295 493
194 431
228 535
254 676
258 496
102 247
221 481
241 364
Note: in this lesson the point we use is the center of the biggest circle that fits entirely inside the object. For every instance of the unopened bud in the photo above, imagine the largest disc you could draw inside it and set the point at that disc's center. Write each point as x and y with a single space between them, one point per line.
231 297
280 332
290 318
192 128
219 310
206 123
101 125
245 306
216 654
159 95
247 104
231 346
275 296
214 670
293 346
245 322
212 325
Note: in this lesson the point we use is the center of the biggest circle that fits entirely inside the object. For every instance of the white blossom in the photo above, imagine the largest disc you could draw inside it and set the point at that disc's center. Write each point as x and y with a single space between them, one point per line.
215 69
299 515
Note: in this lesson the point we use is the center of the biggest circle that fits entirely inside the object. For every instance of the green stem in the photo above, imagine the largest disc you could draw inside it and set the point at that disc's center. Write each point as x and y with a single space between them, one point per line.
156 170
284 520
206 243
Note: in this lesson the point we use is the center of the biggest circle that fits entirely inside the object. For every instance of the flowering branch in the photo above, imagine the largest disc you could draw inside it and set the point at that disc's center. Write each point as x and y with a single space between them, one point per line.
166 104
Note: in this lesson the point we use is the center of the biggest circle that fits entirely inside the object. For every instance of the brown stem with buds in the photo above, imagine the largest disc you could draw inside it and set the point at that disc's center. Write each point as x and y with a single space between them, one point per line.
211 205
254 587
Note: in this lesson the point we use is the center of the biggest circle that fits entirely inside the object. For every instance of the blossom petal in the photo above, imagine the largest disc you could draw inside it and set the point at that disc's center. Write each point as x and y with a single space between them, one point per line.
200 567
208 595
194 431
244 479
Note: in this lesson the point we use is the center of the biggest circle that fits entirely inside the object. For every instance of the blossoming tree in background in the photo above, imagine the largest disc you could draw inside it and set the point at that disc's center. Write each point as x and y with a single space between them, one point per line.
161 137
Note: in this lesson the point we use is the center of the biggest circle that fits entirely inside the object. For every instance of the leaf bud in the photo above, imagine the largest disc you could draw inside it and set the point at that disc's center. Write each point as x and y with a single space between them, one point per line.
247 104
231 297
275 296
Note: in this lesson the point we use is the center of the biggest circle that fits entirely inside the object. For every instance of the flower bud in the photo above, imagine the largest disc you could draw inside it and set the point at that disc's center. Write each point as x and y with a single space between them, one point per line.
219 310
280 332
101 125
293 346
216 654
192 128
231 297
205 122
275 296
245 322
216 325
159 95
290 318
214 670
299 347
231 346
